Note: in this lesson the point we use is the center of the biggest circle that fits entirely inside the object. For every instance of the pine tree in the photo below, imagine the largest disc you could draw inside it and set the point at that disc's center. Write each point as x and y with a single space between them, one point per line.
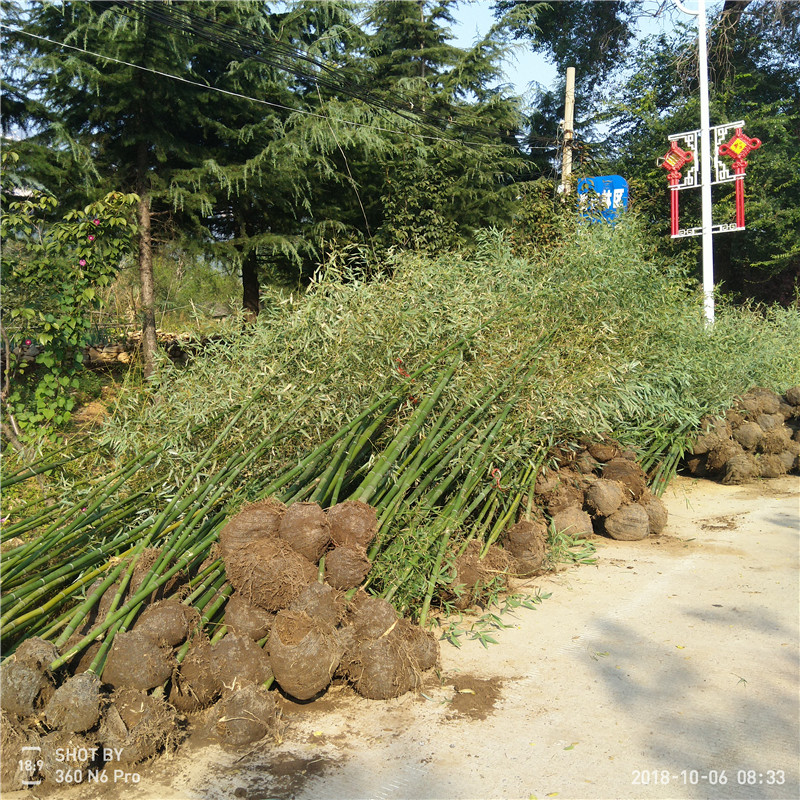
135 125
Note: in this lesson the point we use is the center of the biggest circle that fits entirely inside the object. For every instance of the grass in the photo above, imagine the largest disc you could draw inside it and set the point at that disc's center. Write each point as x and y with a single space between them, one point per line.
436 394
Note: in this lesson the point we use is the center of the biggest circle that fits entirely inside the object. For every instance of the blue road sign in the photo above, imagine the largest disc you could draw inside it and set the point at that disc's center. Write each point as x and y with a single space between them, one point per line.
602 199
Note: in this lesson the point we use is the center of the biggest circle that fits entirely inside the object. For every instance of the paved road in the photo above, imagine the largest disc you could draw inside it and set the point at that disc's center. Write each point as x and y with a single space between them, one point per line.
669 670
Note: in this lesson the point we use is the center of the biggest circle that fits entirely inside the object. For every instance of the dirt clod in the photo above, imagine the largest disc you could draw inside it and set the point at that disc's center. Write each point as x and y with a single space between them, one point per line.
346 566
269 573
352 523
629 523
238 660
306 528
255 521
167 622
247 619
573 521
244 717
75 705
137 662
304 654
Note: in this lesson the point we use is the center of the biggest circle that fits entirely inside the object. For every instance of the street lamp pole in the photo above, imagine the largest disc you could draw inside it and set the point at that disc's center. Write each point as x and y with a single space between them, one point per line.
705 158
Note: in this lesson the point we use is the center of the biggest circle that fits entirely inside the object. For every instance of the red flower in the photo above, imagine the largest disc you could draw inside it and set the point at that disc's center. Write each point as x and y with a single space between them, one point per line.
91 238
96 221
82 262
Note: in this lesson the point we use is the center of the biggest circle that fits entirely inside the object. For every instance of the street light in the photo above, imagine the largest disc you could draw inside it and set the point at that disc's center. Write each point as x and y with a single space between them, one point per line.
705 158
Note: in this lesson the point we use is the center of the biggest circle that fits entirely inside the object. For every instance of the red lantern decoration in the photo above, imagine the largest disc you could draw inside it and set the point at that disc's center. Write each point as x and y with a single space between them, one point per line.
674 161
738 148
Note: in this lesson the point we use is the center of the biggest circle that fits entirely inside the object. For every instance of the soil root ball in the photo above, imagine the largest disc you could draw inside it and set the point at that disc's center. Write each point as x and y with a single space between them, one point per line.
771 466
475 576
604 451
748 435
321 602
585 463
197 684
766 401
346 566
527 542
421 645
245 716
75 705
256 521
697 466
269 573
352 523
12 739
563 489
704 443
304 654
382 668
82 755
137 662
788 459
247 619
721 453
739 469
305 527
657 513
138 726
348 642
769 421
20 686
793 396
25 677
167 622
573 521
627 472
629 524
141 571
81 661
604 497
36 653
238 661
774 441
371 617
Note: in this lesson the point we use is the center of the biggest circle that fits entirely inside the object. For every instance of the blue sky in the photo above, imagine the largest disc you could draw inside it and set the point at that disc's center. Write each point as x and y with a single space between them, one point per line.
474 17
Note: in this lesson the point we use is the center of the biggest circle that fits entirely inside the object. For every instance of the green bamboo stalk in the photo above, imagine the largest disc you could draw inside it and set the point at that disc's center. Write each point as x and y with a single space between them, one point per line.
409 430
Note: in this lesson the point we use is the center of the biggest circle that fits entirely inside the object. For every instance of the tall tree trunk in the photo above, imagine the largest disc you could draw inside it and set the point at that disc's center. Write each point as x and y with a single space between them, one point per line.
149 343
251 303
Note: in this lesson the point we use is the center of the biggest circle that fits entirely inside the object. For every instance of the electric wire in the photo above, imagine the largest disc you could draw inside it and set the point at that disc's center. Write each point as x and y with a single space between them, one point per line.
242 42
281 106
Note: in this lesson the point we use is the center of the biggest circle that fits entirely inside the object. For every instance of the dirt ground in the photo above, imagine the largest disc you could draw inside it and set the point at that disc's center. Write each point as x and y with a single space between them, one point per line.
668 670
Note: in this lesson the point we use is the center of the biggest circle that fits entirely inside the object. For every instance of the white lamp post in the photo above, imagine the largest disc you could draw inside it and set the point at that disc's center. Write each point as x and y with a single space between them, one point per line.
705 158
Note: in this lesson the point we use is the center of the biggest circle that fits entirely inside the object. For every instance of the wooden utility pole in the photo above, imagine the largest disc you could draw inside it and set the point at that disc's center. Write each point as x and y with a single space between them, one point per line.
569 122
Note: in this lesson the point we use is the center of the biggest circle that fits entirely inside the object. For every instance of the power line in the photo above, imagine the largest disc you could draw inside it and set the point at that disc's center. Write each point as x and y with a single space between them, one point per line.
228 92
290 59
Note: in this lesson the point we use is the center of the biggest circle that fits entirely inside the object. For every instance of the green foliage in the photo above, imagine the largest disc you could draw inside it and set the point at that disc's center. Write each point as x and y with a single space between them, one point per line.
585 33
53 273
755 77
